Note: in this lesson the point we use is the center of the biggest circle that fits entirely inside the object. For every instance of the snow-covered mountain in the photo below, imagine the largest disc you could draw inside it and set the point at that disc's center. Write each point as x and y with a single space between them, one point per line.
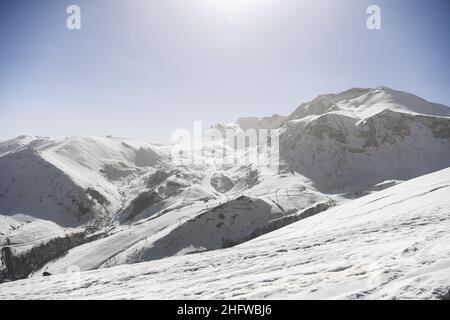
366 102
71 181
97 202
272 122
392 244
349 141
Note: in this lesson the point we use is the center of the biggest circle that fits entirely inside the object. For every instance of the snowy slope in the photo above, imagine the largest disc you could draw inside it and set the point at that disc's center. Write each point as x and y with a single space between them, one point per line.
151 202
197 226
364 103
343 154
79 178
15 144
392 244
159 201
350 141
23 232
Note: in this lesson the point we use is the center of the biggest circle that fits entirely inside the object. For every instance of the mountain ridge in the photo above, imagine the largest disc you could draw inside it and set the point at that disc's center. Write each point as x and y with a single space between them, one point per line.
137 197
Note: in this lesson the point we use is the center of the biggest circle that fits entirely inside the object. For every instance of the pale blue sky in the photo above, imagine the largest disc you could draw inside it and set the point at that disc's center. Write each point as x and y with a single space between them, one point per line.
142 68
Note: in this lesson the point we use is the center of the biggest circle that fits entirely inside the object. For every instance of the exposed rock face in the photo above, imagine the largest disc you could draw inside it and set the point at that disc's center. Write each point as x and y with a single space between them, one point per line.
222 183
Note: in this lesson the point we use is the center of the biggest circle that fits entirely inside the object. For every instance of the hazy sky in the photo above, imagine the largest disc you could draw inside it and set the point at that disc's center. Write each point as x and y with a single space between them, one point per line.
142 68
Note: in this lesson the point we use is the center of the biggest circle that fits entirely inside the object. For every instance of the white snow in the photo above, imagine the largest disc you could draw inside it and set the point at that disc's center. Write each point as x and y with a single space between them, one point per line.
23 232
392 244
65 170
151 203
365 103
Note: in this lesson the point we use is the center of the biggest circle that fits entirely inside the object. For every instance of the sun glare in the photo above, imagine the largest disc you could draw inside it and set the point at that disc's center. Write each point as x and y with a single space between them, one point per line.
237 6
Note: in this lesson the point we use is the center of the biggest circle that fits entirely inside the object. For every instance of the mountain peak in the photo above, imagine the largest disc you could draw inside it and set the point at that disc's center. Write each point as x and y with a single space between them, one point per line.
364 102
272 122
